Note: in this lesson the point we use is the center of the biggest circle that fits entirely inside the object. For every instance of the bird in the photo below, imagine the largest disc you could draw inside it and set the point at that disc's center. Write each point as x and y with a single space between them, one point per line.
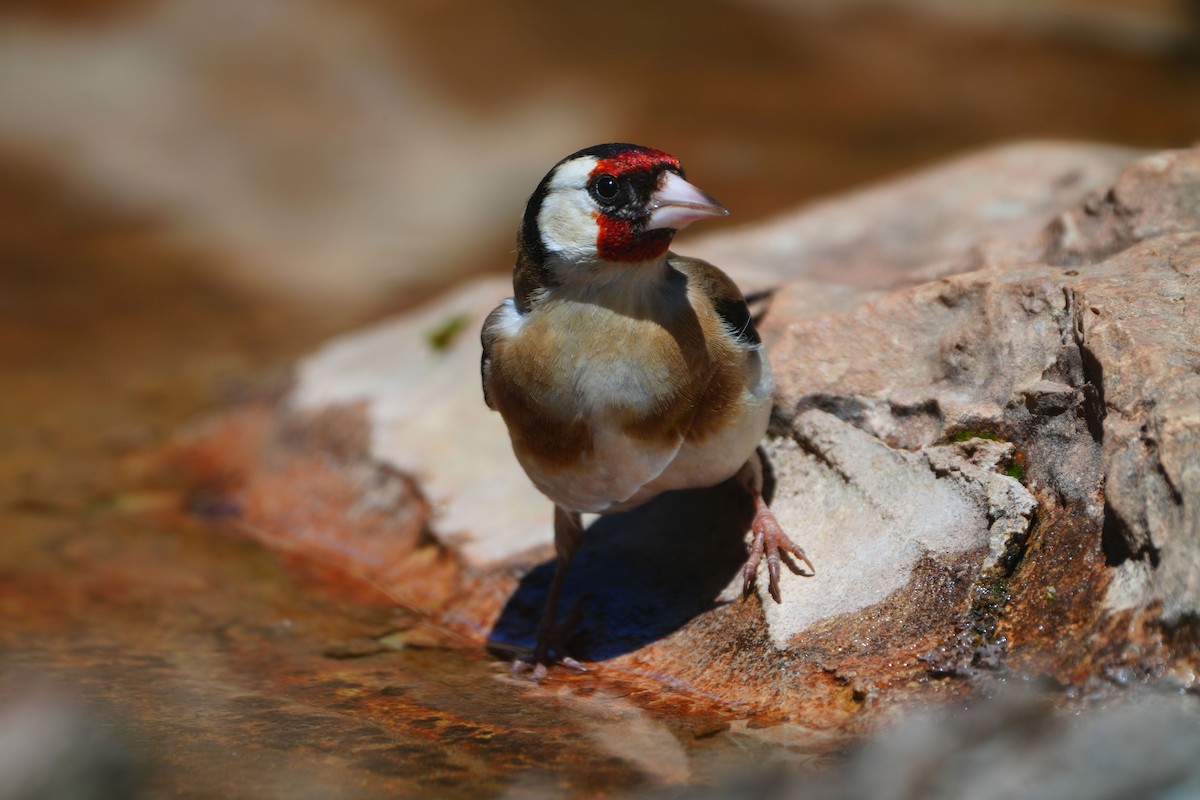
621 369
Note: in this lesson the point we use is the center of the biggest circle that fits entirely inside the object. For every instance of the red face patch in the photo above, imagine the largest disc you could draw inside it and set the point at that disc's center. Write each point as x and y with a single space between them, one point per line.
632 160
618 239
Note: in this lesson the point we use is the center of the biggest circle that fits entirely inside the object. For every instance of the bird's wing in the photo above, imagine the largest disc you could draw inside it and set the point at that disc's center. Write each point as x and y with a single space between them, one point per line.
732 402
723 294
501 322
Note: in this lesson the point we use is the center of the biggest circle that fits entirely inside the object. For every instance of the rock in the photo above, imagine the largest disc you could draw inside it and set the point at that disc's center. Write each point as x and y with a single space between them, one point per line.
1013 745
987 439
52 745
1140 330
1046 398
902 506
1092 372
429 401
949 218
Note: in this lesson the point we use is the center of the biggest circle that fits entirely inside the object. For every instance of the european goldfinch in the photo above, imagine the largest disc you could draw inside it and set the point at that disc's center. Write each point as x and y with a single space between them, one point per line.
621 369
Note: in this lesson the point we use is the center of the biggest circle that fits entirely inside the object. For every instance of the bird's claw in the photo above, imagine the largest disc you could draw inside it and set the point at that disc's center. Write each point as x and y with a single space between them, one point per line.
770 540
537 668
551 640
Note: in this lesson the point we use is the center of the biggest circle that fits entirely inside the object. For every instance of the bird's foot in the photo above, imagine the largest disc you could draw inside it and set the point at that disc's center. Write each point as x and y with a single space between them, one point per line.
771 541
537 669
551 649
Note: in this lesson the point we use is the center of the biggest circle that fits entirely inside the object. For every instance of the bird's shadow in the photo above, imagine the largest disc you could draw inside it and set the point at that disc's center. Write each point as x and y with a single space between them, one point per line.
639 575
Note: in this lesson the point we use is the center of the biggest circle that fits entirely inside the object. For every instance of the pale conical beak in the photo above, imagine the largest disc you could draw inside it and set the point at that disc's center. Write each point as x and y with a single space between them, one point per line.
676 203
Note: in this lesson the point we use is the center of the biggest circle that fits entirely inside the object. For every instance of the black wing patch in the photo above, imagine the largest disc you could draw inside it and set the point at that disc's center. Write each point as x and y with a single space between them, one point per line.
736 315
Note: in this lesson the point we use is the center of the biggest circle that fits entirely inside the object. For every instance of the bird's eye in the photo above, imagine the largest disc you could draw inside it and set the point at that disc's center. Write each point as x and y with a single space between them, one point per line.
606 188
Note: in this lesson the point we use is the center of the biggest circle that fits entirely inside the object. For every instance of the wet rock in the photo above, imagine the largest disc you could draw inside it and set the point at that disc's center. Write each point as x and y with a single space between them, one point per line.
987 438
355 648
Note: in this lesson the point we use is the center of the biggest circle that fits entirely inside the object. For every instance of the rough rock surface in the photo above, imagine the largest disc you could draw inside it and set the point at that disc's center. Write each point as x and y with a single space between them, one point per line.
987 438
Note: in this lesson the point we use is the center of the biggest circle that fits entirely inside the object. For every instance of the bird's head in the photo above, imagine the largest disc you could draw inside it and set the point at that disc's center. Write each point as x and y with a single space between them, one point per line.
611 204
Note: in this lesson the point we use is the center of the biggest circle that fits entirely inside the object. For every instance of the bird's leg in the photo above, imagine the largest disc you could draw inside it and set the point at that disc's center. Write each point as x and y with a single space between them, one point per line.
769 539
568 533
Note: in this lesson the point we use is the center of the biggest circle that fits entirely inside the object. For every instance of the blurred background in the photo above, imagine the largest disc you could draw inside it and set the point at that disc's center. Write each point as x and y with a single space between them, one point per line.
195 192
355 151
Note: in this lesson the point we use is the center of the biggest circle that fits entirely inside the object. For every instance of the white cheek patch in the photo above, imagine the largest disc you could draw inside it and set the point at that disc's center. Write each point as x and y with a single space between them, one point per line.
567 219
573 174
568 229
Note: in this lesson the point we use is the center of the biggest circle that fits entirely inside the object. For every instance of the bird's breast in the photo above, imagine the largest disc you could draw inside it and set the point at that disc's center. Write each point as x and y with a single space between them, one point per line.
601 398
577 359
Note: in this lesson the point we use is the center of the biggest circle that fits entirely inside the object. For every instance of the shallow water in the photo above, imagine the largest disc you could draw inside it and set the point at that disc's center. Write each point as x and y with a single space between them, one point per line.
223 674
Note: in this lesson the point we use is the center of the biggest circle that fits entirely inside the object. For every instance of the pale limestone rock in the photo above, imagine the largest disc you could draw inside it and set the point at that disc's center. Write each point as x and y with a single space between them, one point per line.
428 419
952 217
869 512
